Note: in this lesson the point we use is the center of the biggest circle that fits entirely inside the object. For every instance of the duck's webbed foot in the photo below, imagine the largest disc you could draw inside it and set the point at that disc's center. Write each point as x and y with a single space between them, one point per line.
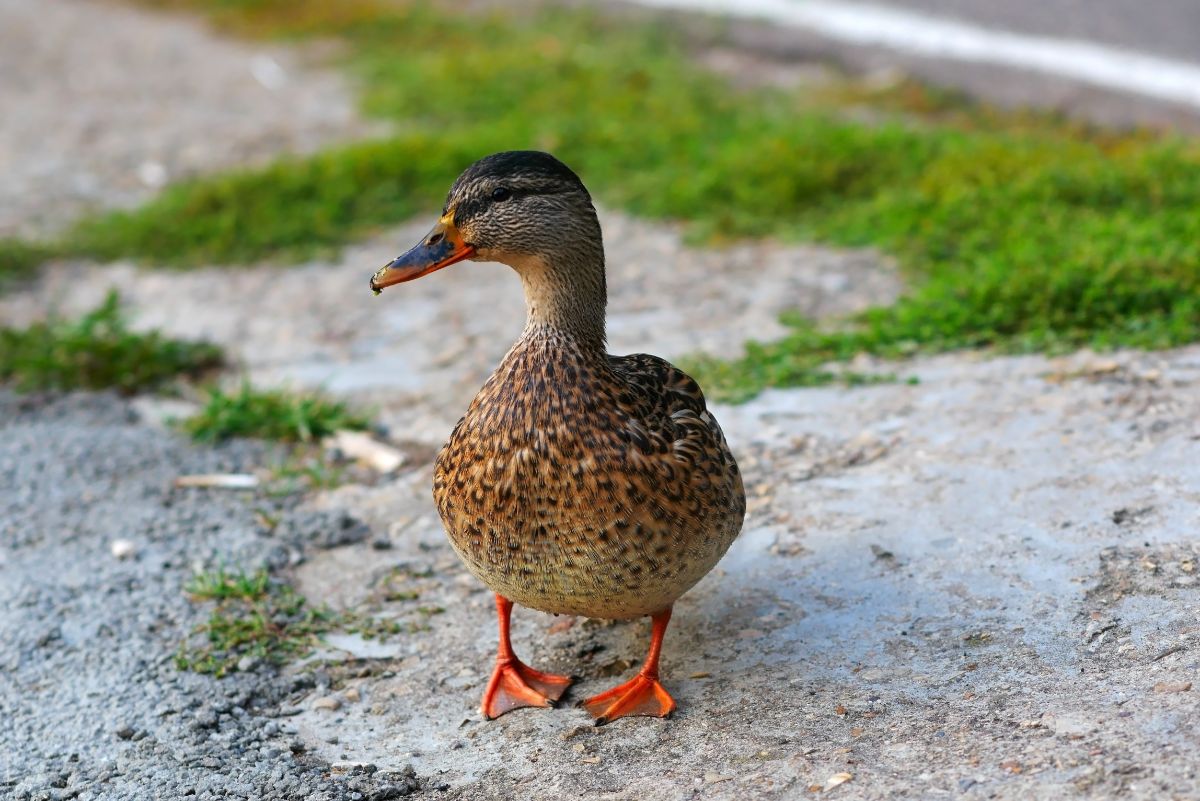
641 695
515 685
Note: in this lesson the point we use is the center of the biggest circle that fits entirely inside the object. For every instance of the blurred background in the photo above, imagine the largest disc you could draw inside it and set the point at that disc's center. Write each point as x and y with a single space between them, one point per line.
936 264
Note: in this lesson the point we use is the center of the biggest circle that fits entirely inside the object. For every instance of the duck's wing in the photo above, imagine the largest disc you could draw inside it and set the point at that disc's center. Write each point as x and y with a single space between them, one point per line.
670 424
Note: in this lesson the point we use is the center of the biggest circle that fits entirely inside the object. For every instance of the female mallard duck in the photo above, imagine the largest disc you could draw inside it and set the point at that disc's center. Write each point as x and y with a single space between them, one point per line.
577 483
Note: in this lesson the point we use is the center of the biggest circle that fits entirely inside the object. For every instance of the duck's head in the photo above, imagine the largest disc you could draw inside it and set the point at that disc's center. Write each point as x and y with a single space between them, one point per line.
523 208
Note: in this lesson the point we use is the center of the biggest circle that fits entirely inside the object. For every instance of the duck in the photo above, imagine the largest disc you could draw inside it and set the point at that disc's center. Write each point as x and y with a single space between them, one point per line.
578 482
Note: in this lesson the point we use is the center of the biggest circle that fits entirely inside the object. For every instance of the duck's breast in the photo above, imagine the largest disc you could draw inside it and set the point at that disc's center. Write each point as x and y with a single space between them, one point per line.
562 497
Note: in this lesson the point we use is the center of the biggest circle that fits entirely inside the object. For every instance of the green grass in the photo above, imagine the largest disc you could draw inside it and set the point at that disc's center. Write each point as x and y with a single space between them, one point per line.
19 260
98 351
253 616
223 585
292 210
269 414
305 469
1017 232
257 616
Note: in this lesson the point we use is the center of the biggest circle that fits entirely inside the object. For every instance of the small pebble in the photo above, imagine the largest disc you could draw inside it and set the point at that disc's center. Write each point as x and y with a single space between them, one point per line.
122 549
578 730
152 174
838 778
327 702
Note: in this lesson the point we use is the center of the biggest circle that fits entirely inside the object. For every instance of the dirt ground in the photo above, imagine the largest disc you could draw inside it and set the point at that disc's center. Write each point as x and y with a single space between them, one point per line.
104 104
981 585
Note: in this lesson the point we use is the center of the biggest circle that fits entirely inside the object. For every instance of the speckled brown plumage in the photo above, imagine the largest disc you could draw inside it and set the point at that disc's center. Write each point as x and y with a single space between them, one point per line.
577 482
588 484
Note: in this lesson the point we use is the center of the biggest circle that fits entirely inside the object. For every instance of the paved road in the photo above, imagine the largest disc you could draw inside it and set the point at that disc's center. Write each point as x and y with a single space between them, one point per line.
1109 60
1168 28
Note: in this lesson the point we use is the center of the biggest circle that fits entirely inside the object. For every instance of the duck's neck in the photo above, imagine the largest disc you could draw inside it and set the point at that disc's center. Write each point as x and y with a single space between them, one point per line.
565 296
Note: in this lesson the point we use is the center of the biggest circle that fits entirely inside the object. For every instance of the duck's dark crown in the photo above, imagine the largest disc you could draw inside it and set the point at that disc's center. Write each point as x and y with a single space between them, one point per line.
519 163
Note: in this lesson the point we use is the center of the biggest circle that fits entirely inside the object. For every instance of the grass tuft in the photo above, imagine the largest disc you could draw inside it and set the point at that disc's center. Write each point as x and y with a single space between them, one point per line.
305 469
266 620
223 585
776 364
253 617
269 414
98 351
19 260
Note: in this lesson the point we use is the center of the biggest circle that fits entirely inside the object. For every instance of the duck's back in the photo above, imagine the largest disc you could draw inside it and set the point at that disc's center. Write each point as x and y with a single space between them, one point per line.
581 483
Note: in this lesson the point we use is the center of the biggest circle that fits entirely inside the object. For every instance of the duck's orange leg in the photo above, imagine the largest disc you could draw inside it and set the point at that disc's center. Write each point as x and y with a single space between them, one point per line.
641 695
514 684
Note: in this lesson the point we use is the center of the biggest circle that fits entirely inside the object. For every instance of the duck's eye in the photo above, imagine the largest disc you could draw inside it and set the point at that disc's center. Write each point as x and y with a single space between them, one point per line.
501 193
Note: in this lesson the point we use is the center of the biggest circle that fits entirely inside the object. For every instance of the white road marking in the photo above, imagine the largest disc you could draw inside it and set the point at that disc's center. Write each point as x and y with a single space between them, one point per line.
1097 64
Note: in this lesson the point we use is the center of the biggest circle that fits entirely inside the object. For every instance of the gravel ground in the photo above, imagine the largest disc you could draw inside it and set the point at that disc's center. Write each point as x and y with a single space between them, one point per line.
93 704
983 585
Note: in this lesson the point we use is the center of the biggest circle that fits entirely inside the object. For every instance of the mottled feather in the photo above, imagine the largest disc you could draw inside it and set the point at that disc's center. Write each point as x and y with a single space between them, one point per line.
588 484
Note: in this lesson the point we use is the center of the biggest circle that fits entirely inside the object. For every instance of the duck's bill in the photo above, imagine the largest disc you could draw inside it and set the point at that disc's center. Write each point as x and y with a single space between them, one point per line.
440 248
